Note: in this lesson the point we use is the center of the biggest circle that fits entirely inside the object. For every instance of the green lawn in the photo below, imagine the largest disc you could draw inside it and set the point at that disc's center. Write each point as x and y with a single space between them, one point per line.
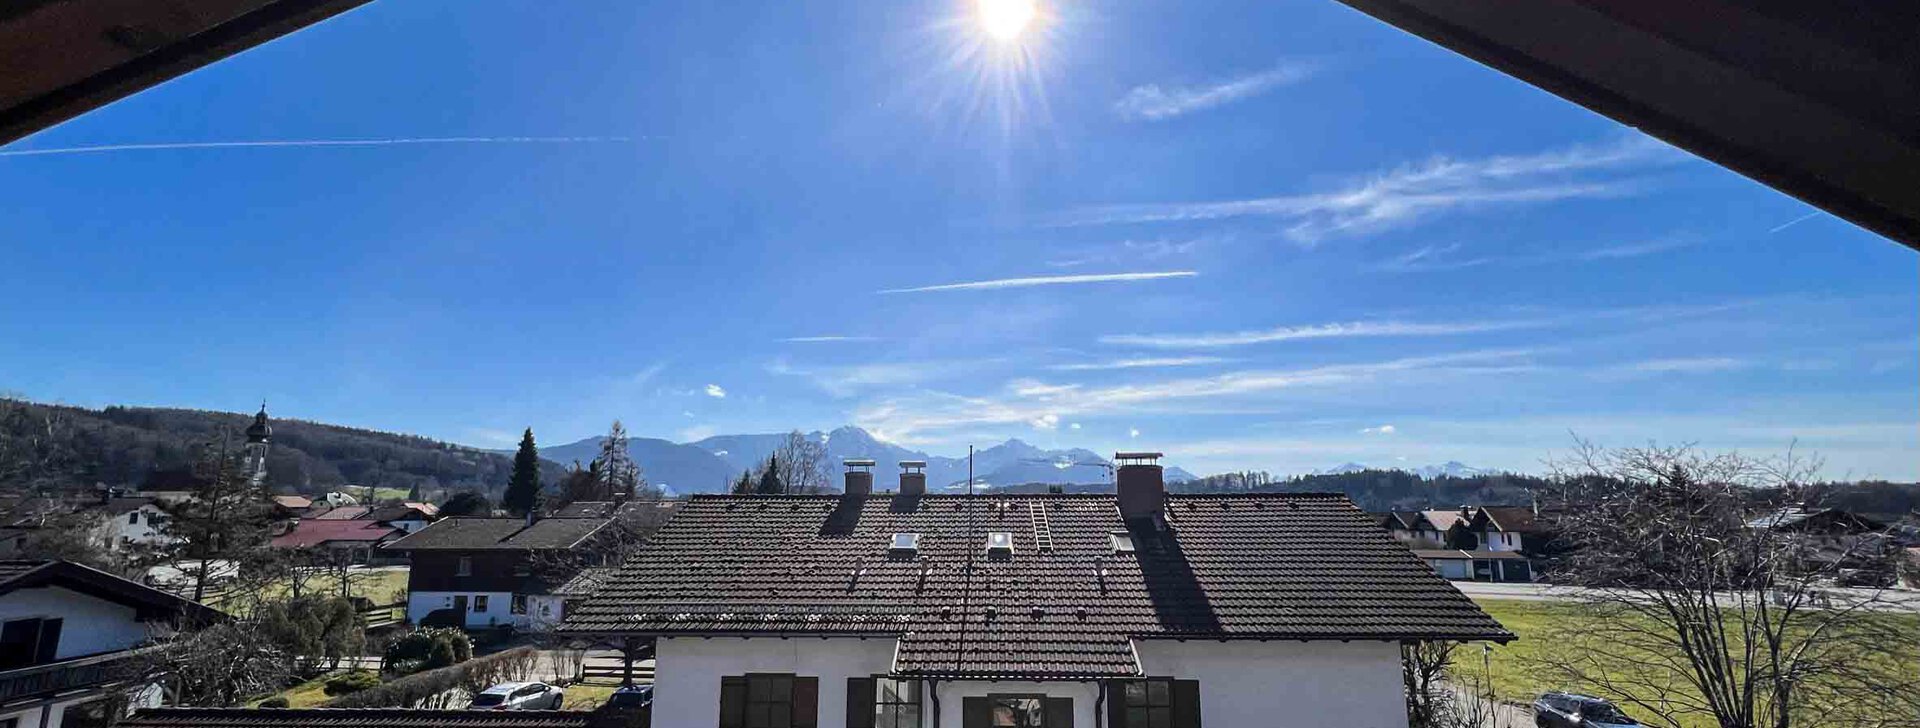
587 696
383 587
1516 668
308 694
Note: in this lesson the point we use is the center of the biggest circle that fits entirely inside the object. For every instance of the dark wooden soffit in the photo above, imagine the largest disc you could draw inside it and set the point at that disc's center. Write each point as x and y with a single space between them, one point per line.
62 58
1819 99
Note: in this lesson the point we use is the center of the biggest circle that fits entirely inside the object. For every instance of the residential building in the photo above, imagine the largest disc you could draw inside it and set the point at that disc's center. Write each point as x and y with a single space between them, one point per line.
69 635
487 572
407 516
360 718
1138 608
1486 543
1410 527
352 542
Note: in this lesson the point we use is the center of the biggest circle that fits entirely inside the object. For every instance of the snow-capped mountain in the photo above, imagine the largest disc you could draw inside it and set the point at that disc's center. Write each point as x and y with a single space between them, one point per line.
1450 468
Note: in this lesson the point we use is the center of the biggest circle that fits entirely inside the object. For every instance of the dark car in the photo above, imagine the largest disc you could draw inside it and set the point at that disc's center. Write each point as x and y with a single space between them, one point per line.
1572 710
636 696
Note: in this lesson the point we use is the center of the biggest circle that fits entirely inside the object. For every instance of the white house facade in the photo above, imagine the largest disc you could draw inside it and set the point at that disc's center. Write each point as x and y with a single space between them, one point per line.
66 631
1047 611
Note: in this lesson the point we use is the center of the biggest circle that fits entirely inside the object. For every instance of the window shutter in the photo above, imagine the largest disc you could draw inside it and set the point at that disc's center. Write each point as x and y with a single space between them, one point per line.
806 702
975 711
49 640
859 702
1059 712
733 701
1186 704
1117 704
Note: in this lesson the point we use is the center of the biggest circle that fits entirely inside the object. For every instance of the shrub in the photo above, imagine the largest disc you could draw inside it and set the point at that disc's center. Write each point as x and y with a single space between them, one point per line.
437 688
431 648
441 655
351 682
277 701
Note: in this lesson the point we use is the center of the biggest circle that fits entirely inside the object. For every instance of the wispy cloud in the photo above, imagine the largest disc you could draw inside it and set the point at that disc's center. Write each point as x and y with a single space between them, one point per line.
1131 251
1795 221
1142 363
299 143
999 283
1317 331
646 375
1381 430
1153 102
825 339
715 391
1687 365
1415 192
1432 258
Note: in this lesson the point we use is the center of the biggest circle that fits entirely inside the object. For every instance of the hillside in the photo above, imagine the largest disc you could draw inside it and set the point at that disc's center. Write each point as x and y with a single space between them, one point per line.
56 447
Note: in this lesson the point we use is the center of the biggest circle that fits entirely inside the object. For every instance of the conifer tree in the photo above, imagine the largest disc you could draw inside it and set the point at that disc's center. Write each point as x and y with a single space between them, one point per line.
523 490
770 478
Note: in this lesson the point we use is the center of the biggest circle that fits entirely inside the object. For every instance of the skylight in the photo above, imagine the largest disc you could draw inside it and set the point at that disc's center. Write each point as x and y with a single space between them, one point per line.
1122 542
1000 543
906 542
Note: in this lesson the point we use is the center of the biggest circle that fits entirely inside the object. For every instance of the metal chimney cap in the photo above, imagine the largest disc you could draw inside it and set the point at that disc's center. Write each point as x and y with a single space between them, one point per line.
1136 456
858 462
913 463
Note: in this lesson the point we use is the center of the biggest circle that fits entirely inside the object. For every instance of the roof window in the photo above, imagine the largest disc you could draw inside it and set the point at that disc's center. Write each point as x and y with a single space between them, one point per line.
1122 542
1000 543
905 544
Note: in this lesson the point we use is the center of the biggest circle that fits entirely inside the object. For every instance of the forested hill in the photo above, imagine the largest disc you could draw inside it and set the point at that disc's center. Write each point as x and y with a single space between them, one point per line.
54 447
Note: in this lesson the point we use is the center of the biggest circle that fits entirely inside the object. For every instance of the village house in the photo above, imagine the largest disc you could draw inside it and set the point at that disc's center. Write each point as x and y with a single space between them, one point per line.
68 634
1134 609
1489 543
489 572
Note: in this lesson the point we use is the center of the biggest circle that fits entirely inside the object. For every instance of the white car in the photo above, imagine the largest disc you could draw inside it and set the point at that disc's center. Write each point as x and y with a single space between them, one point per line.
519 696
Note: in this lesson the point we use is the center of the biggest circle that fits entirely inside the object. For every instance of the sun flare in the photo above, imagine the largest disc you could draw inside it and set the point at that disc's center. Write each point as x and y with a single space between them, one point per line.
1005 20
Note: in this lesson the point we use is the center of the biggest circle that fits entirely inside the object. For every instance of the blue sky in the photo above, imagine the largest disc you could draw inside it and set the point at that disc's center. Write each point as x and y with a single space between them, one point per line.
1253 235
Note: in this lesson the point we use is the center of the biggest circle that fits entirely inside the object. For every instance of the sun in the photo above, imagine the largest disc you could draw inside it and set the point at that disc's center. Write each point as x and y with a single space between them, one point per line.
1005 20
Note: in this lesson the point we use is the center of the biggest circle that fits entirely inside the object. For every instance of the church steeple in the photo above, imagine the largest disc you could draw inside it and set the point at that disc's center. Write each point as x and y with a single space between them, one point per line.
259 438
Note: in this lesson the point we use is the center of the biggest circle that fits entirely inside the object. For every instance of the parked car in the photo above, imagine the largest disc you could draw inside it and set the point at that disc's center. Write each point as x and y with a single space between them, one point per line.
519 696
1572 710
1876 578
635 696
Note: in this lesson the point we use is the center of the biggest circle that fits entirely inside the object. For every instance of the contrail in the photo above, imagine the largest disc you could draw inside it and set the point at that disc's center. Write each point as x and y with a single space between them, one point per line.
102 148
1797 220
1045 281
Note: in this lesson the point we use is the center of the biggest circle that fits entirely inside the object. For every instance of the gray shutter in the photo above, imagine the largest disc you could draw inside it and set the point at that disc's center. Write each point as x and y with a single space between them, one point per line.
1186 704
976 711
1116 704
860 702
1059 712
806 702
733 701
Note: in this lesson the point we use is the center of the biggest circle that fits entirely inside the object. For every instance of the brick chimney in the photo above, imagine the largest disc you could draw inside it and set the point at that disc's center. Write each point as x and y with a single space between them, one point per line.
859 477
1142 485
913 478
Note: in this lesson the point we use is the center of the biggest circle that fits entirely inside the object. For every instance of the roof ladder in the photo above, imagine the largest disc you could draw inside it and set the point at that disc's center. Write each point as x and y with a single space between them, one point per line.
1042 534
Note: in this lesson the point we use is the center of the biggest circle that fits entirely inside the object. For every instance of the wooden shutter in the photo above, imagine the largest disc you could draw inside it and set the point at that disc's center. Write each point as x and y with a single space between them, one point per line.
806 702
733 701
1058 712
1116 704
1186 704
976 711
860 702
49 641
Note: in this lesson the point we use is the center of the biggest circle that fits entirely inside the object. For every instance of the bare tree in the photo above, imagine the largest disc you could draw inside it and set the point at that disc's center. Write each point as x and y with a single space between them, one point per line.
1702 608
802 464
1423 670
619 474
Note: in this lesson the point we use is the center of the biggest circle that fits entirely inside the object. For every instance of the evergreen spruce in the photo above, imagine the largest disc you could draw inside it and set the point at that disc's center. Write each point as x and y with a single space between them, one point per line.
523 490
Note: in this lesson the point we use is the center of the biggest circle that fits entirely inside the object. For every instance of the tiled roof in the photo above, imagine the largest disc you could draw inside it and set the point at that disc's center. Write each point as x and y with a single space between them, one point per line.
353 718
586 582
314 533
500 533
29 574
1512 519
1443 520
1266 566
345 513
295 502
1460 554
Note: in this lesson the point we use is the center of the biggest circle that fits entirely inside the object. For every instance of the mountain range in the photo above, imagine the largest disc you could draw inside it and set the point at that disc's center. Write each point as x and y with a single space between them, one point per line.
1450 468
708 465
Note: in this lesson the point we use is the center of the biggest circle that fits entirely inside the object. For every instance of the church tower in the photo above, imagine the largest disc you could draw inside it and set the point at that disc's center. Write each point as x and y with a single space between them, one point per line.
259 437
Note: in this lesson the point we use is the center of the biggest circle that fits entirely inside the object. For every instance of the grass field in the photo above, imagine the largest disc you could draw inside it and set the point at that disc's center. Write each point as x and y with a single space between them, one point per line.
1516 672
387 586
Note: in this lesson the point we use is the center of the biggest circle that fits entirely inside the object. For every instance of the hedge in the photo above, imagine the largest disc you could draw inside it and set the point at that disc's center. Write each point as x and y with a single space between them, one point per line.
438 689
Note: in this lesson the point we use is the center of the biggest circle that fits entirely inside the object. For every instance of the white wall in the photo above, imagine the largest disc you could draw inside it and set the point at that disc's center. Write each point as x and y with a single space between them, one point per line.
1284 684
91 625
1498 541
499 608
687 672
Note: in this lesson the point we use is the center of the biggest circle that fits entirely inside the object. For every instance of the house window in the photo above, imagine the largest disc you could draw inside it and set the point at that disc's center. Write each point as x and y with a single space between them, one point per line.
133 517
96 714
896 703
464 568
479 603
25 642
1025 711
518 605
769 701
1155 703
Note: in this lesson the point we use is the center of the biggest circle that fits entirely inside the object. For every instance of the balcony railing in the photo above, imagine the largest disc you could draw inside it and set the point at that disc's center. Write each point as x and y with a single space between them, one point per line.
78 672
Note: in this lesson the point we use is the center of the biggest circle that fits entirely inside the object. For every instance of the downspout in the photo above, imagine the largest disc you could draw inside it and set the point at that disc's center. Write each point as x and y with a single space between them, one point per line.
933 691
1100 705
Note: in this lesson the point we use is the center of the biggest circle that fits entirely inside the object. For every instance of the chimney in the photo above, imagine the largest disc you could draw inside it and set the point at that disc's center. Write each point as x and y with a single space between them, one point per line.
1142 485
859 477
913 478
